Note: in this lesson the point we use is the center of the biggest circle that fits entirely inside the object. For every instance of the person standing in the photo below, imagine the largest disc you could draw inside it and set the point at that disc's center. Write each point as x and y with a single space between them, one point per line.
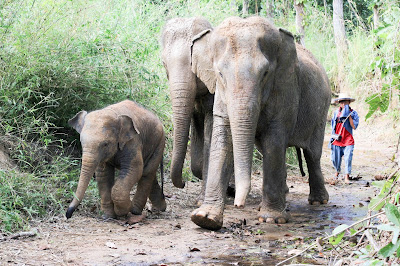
344 121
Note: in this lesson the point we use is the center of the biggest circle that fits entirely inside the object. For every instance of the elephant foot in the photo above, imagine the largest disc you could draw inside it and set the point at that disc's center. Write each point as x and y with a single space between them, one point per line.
133 219
122 208
136 210
108 211
208 217
272 216
106 216
318 199
159 206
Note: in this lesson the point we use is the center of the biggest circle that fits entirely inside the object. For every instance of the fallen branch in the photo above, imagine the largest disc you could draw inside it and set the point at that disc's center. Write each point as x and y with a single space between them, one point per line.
18 235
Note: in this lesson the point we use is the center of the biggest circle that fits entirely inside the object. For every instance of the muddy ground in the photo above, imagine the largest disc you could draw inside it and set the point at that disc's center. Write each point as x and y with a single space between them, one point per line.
170 238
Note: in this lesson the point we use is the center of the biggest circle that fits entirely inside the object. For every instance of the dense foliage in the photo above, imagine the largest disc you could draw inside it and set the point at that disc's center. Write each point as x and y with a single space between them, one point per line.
58 57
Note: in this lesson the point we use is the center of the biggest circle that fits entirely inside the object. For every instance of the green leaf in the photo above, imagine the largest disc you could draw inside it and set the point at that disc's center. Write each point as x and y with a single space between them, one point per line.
378 184
378 101
389 249
373 205
387 227
392 214
340 231
377 263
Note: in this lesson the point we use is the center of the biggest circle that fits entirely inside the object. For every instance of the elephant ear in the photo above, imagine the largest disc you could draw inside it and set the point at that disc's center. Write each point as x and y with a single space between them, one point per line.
128 130
201 59
78 121
286 75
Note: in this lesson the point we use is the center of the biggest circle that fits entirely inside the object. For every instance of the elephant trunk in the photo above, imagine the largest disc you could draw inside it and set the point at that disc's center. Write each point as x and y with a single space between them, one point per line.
87 170
182 107
243 127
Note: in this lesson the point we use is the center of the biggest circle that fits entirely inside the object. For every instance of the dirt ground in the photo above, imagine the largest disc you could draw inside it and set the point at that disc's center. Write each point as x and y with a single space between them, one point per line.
170 238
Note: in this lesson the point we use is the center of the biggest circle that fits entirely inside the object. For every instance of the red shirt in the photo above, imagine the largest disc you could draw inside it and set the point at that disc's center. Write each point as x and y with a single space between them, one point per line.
347 139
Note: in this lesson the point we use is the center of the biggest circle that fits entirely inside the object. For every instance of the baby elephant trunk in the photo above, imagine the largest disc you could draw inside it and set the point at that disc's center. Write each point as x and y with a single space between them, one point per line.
87 171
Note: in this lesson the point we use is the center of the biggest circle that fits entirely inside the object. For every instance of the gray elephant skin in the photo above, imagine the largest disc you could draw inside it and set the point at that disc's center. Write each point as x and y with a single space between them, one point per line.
188 63
270 93
122 136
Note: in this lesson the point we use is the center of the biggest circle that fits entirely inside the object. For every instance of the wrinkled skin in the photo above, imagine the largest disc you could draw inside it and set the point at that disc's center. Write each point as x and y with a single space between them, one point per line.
122 136
269 93
187 60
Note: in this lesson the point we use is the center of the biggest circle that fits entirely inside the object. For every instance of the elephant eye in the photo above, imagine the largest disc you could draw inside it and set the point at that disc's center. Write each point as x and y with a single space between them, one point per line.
264 76
222 76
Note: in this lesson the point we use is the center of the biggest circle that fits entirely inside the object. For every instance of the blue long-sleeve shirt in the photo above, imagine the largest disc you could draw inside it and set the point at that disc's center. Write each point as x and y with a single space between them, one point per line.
344 114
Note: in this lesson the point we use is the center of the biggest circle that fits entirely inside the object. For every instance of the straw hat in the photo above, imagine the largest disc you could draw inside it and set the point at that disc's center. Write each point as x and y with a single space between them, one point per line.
344 97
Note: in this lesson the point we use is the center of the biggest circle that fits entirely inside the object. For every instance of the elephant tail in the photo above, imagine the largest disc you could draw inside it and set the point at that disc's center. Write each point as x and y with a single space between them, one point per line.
299 158
162 175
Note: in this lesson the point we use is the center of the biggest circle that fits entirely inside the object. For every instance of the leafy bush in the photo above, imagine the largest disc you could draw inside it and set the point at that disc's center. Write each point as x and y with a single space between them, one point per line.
25 197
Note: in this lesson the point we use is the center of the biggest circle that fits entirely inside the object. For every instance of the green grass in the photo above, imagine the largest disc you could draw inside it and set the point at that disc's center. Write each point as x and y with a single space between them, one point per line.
26 197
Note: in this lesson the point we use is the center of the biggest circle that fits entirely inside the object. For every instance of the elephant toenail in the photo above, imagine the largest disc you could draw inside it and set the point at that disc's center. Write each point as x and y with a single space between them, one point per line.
281 220
270 220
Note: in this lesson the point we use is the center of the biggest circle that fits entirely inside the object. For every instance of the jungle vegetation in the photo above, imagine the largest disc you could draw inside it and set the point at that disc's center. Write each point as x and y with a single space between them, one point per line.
59 57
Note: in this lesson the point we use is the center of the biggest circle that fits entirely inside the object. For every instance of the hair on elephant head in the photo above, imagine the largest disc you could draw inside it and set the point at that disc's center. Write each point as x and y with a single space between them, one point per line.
112 138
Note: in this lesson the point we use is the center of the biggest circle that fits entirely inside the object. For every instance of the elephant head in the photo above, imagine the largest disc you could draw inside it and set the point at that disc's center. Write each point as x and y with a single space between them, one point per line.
187 60
256 68
102 134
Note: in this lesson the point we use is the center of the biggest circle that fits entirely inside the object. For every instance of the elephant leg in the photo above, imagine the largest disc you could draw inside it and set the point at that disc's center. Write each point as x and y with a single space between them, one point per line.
157 197
144 187
208 123
105 182
148 186
129 175
274 180
318 193
210 214
196 144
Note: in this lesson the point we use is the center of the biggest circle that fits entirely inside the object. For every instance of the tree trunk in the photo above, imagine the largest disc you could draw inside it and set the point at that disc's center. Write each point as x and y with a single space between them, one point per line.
269 9
245 8
299 21
340 41
376 17
326 12
233 6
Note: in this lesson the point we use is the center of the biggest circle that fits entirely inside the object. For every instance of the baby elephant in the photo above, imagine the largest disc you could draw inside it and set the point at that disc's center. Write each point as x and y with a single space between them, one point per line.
127 137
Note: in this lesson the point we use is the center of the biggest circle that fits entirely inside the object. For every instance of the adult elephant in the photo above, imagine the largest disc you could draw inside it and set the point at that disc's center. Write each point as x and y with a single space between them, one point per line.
271 93
187 60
